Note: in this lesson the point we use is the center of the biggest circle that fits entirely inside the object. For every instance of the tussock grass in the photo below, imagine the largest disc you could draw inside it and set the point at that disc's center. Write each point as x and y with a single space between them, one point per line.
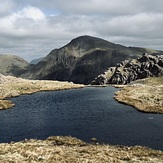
12 86
71 150
154 81
5 104
145 95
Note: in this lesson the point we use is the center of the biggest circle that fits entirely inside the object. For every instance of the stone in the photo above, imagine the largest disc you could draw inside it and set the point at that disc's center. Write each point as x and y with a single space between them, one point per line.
131 70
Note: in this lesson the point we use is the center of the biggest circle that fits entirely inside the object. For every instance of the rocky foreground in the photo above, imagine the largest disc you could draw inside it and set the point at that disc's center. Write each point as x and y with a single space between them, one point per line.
11 87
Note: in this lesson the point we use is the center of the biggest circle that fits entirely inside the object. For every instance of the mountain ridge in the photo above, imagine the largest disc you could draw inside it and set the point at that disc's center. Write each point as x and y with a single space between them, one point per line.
83 59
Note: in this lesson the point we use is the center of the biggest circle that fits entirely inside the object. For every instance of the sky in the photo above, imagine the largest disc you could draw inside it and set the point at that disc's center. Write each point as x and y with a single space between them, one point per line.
32 28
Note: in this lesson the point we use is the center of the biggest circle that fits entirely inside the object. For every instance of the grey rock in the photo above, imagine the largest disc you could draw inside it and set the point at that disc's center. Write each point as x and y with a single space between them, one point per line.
131 70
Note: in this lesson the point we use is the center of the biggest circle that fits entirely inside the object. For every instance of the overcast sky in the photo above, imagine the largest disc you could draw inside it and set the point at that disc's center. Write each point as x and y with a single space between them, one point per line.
32 28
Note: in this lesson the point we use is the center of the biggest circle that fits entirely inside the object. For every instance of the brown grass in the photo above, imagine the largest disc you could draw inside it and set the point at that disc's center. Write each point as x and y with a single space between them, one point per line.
144 95
71 150
5 104
12 86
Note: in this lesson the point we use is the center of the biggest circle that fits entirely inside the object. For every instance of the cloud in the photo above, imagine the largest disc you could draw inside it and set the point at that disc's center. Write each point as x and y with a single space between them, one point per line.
20 22
31 13
6 7
140 25
32 29
109 7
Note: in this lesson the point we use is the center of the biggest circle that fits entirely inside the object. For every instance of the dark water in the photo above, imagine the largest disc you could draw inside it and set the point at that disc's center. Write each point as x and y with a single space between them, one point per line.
83 113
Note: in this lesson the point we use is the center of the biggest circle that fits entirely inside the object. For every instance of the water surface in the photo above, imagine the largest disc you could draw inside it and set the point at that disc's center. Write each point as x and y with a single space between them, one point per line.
83 113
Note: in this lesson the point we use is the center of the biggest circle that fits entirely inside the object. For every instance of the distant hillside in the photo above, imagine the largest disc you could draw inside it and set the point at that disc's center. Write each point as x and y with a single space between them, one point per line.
12 65
35 61
83 59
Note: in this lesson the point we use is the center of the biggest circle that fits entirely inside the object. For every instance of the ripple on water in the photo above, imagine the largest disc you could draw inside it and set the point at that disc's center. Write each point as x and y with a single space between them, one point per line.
83 113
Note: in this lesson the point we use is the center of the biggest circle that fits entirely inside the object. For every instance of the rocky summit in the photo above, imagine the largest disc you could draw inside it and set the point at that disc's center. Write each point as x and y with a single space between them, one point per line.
131 70
82 60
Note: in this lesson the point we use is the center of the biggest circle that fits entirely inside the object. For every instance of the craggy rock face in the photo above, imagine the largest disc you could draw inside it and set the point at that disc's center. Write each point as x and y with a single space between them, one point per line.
131 70
82 60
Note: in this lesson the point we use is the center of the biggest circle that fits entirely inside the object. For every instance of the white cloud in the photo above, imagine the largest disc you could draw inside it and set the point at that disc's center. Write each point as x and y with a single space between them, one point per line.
31 13
22 22
32 28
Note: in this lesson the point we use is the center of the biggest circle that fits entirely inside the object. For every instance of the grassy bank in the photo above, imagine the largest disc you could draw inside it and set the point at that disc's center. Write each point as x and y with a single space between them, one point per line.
12 87
71 150
145 95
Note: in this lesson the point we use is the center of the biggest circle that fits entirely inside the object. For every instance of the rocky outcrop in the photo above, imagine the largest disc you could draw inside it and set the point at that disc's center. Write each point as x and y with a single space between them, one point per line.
103 78
83 59
131 70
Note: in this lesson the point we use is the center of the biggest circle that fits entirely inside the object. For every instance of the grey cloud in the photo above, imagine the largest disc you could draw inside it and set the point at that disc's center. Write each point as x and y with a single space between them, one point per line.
31 32
6 7
108 7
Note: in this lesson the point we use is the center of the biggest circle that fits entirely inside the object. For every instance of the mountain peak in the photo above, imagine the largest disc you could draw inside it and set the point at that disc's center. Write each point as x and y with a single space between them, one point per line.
89 42
82 60
87 38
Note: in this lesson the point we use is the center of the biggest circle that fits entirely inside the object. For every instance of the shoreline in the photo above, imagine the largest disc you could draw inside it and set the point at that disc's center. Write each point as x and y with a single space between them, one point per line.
70 149
144 95
12 87
64 148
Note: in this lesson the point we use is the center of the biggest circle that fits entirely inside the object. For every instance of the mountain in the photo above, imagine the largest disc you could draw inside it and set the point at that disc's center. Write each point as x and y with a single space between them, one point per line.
35 61
83 59
12 65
